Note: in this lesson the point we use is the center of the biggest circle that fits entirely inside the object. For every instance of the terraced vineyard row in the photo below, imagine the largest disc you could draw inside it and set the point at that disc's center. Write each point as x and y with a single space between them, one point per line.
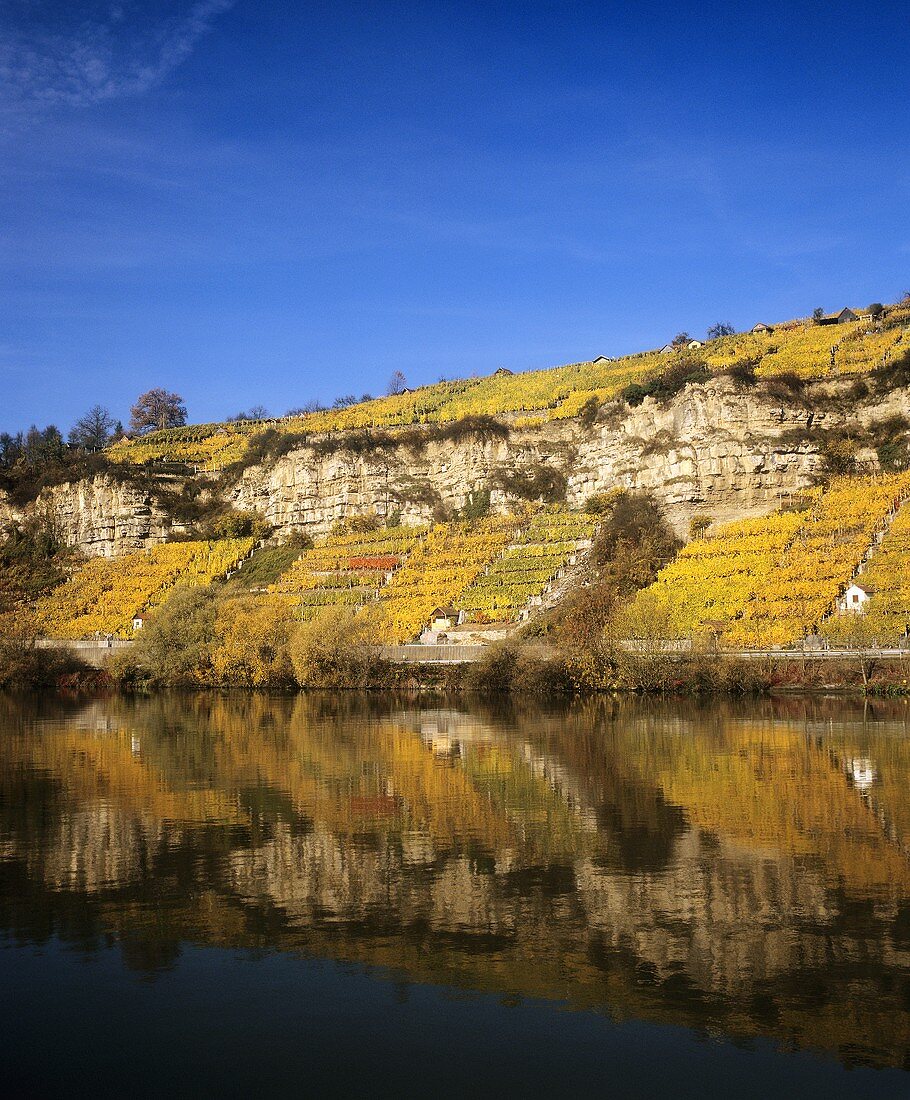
771 581
106 594
442 567
489 567
714 579
526 568
409 572
347 570
820 561
888 576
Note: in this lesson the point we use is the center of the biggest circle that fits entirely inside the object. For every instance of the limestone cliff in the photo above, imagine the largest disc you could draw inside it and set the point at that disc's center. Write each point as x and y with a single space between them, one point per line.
103 517
713 449
716 448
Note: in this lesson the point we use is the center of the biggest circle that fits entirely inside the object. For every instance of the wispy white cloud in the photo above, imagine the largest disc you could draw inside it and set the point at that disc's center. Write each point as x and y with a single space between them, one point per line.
115 50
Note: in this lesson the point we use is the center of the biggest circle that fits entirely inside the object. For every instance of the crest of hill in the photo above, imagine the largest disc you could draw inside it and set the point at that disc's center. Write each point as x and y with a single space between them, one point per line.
839 345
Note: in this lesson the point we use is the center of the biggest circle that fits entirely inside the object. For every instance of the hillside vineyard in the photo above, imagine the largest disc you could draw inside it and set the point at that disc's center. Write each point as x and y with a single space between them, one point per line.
771 581
106 595
491 570
778 456
761 582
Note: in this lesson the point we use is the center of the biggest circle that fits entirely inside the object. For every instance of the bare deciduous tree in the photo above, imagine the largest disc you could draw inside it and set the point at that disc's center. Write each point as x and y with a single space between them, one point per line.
92 432
397 383
256 412
157 409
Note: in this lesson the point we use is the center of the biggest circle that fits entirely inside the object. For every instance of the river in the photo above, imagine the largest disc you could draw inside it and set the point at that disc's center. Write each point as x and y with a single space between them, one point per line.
227 894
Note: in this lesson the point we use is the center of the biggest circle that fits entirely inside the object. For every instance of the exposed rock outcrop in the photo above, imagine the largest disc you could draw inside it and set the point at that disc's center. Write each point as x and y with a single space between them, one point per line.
104 517
713 449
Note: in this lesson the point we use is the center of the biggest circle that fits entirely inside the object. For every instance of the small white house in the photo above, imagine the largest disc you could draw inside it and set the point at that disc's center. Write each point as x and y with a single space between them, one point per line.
695 344
762 327
443 618
667 349
602 359
854 599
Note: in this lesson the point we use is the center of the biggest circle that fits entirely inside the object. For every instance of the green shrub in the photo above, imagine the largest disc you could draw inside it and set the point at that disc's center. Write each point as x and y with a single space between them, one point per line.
634 394
587 415
598 504
670 382
786 386
483 428
334 651
476 505
175 645
33 557
892 444
533 482
839 450
743 372
236 525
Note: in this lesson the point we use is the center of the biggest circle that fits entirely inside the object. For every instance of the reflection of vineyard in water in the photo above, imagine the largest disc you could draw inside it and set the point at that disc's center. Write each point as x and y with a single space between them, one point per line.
746 869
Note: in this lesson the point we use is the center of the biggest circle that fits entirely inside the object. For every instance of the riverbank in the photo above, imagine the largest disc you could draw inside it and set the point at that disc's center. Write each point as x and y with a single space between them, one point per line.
520 669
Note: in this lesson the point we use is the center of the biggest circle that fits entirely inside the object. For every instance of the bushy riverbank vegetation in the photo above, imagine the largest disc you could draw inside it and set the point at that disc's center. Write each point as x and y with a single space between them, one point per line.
25 666
199 639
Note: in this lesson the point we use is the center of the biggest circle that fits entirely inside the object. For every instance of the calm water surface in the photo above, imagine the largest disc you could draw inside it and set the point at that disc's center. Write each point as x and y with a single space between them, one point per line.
235 895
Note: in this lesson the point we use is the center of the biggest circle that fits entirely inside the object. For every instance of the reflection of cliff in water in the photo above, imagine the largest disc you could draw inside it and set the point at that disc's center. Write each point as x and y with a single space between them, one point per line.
740 868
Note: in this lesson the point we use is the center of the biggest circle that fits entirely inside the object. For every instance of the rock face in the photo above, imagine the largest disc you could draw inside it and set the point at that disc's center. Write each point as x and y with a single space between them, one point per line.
8 514
104 518
714 450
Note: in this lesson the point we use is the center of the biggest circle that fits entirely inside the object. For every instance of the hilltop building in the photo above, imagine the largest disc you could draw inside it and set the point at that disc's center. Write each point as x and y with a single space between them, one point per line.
843 318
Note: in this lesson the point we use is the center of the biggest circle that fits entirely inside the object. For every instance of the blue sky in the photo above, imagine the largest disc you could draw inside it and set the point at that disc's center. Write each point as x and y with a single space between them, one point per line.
256 202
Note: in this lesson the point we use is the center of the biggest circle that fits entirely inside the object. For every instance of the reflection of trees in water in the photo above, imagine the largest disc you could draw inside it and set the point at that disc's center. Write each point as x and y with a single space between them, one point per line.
714 865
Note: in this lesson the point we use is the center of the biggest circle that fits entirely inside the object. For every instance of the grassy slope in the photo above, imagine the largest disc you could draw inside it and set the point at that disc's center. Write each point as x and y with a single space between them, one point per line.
262 569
